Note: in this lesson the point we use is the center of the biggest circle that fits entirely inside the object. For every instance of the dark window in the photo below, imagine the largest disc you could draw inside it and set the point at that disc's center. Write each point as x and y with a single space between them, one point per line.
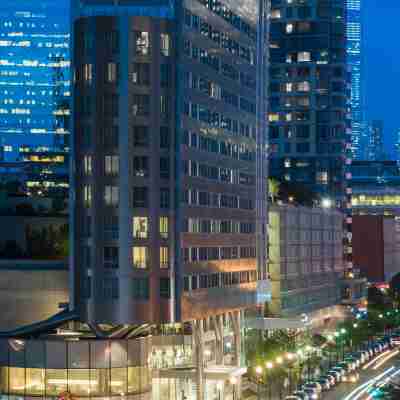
110 105
303 147
110 257
141 105
112 41
141 74
165 75
164 198
140 288
141 166
164 137
164 167
165 288
194 282
86 287
111 136
186 283
140 197
111 227
140 136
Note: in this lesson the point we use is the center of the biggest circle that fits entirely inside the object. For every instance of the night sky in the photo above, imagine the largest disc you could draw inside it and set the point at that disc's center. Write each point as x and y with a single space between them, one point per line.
382 64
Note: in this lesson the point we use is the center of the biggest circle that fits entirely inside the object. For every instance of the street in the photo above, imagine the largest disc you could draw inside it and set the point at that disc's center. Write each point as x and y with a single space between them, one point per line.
384 367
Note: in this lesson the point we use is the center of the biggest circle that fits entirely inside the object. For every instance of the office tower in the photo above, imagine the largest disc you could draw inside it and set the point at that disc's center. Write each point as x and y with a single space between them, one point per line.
355 62
375 141
34 75
308 77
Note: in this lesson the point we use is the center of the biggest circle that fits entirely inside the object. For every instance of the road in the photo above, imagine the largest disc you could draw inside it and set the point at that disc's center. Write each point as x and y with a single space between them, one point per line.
382 368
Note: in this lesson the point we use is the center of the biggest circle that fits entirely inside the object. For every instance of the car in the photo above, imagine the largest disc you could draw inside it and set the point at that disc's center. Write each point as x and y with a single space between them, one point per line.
331 378
341 370
301 394
325 383
353 359
312 394
293 397
353 377
314 385
347 366
336 374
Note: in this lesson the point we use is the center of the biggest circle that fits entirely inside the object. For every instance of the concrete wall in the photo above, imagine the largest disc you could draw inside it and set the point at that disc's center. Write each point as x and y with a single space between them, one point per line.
31 291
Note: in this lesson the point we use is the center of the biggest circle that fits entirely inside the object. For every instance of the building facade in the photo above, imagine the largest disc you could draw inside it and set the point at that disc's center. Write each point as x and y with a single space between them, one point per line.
34 75
309 132
355 62
376 247
375 141
375 188
306 259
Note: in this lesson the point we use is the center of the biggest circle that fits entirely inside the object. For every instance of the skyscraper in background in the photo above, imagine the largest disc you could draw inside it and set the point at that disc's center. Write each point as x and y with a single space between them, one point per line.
34 75
354 60
375 150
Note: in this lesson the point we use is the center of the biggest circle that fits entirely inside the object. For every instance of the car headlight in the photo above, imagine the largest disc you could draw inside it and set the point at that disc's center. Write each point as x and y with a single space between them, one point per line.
314 396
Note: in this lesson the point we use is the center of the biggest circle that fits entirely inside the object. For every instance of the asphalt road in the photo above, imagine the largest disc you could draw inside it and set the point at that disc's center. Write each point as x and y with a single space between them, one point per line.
384 367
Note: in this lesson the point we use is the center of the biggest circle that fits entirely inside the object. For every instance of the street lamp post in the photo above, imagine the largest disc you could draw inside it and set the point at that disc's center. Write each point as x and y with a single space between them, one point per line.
259 372
269 367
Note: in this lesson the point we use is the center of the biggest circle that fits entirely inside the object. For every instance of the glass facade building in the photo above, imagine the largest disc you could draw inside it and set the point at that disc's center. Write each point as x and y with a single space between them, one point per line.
354 60
34 75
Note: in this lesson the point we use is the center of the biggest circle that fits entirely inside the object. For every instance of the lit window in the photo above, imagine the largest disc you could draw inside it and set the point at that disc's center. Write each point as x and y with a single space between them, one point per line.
87 195
164 227
304 56
287 163
164 257
87 165
142 41
273 117
111 165
140 257
289 28
140 227
111 195
303 86
7 148
275 14
322 177
289 87
111 72
165 44
87 72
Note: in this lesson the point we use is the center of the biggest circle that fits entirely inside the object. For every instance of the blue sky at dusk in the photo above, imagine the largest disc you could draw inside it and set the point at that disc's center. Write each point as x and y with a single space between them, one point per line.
382 64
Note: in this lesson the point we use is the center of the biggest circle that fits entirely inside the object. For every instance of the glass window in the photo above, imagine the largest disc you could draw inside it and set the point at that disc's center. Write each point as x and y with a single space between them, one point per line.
78 382
141 166
164 167
164 75
141 74
165 44
142 43
118 384
165 288
17 380
164 137
140 257
140 227
164 198
304 56
133 379
100 382
87 165
56 381
141 105
140 136
111 195
4 379
140 288
111 72
87 195
164 257
140 197
111 165
164 227
110 257
111 136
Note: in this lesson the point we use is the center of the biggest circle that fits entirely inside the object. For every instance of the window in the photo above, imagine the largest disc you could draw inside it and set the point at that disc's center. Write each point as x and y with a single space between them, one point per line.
164 257
140 166
304 56
164 198
165 288
140 197
142 43
140 257
111 195
110 257
112 72
87 73
112 41
140 289
111 165
140 136
110 105
164 75
87 195
164 167
164 137
141 74
164 106
164 227
111 136
289 28
140 227
87 165
165 44
141 105
303 147
111 227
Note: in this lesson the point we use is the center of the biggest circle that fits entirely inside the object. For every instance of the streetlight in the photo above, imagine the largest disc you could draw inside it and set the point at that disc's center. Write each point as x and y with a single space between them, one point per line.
326 203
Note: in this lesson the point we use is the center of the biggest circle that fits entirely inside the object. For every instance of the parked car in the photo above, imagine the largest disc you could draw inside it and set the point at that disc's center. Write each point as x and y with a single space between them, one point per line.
336 374
330 377
301 394
325 383
293 397
312 393
313 385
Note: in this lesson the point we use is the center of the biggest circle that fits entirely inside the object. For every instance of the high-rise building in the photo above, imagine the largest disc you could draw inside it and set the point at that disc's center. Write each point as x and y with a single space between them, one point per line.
309 133
355 62
34 75
375 141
